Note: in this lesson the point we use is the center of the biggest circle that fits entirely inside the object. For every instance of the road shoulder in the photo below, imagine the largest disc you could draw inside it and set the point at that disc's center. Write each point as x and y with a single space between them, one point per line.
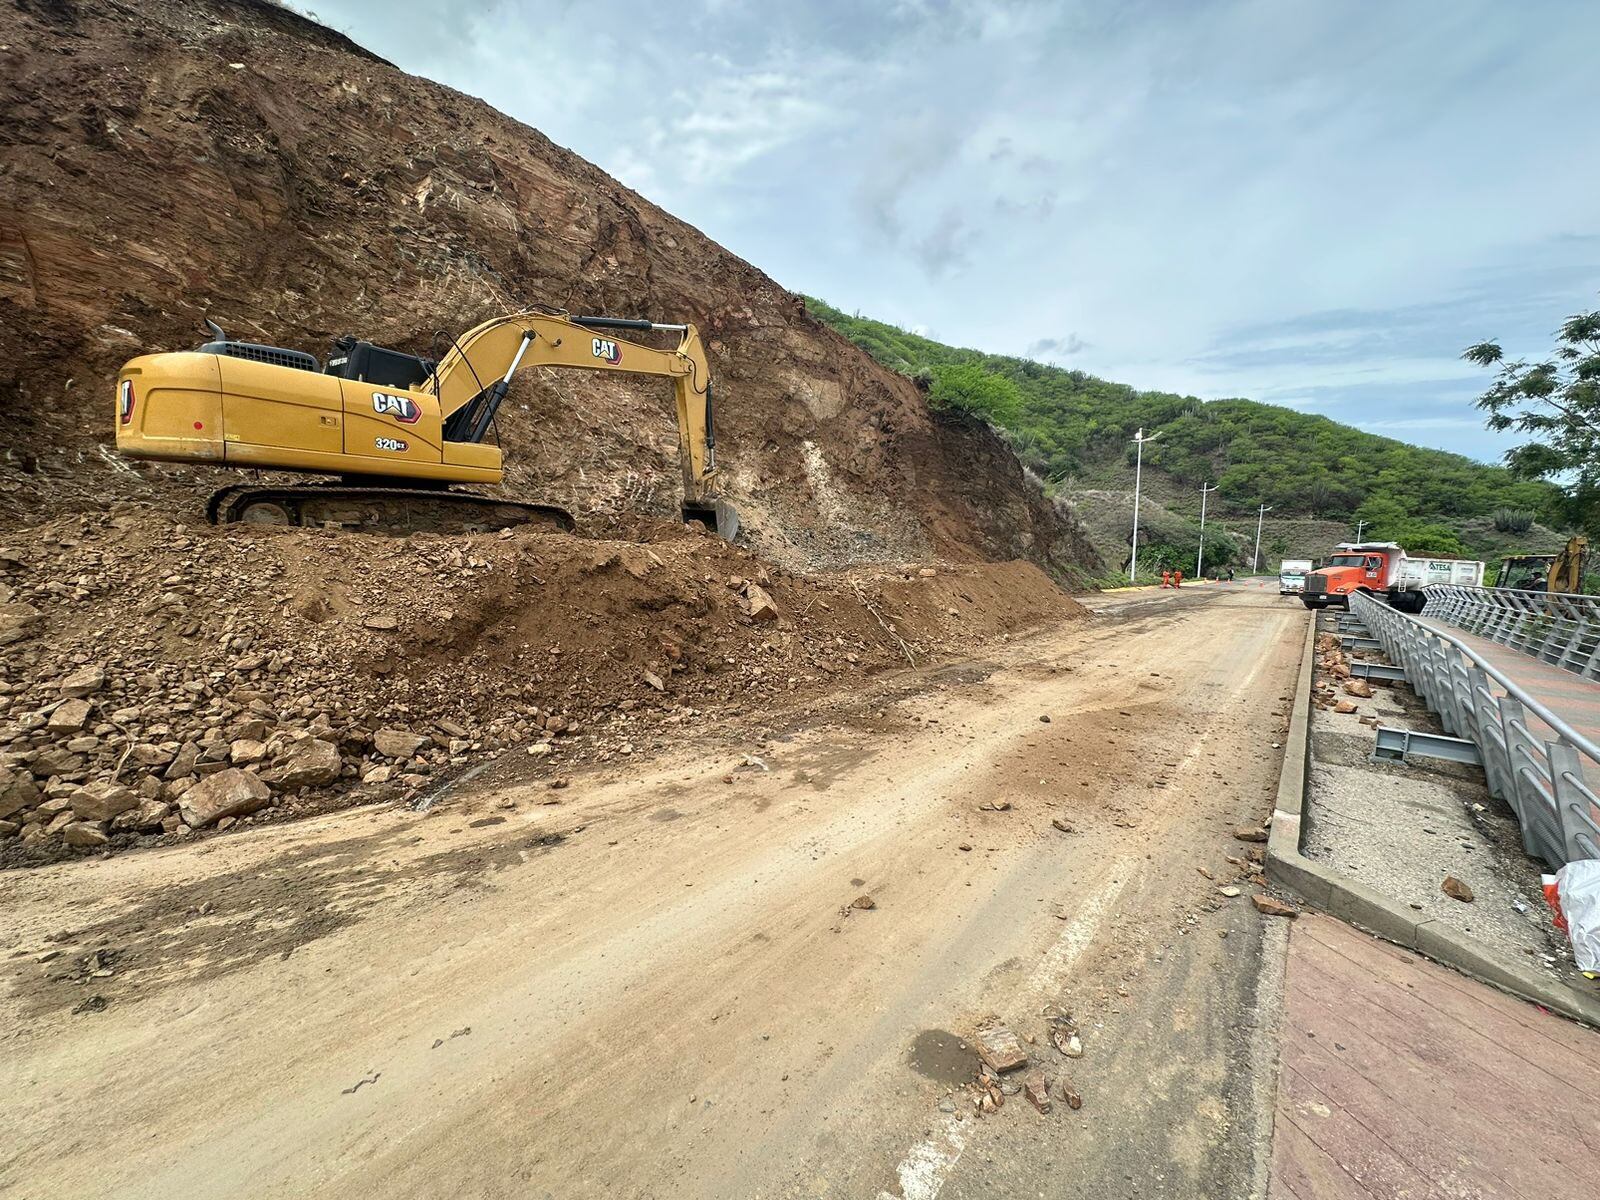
1341 895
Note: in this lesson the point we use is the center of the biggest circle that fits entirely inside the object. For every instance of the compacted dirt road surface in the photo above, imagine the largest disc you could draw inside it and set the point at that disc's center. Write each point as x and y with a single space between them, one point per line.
653 983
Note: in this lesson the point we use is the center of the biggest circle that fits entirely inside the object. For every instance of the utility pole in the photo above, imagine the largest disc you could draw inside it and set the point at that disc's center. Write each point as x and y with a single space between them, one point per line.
1200 558
1139 440
1360 525
1255 561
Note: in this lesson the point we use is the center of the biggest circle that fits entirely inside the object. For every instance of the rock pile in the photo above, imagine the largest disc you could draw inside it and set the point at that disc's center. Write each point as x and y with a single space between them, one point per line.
160 679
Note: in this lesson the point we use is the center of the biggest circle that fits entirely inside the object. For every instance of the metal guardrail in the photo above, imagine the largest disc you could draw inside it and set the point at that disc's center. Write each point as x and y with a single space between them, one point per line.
1542 779
1559 629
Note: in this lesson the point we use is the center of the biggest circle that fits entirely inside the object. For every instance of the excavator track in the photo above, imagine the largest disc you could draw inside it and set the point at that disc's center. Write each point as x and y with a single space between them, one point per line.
380 509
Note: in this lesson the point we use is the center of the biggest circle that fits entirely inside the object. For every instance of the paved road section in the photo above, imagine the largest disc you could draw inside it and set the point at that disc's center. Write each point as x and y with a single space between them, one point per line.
1402 1079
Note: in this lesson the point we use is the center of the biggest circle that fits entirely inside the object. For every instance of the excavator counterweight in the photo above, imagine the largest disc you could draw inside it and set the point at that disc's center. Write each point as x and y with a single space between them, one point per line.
399 431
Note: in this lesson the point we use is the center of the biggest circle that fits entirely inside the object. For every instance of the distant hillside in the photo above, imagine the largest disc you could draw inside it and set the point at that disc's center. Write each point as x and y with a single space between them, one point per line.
1073 430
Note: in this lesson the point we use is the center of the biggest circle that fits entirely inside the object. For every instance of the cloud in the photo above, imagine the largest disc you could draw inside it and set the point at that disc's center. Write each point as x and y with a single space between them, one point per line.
945 245
1292 201
1416 423
1056 347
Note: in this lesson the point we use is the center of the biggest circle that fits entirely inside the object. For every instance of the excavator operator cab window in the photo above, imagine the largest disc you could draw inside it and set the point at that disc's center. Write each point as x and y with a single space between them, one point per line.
363 361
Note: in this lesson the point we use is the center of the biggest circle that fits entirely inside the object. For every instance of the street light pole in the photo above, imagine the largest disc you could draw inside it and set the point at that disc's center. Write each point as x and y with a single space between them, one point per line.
1139 440
1200 558
1360 525
1255 560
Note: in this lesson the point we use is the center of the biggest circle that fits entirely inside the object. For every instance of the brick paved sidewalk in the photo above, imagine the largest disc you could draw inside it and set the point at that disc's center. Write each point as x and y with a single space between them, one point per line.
1401 1078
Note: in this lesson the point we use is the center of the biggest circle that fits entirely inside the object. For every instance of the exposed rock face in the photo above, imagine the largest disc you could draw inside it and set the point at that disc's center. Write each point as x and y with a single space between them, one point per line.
314 186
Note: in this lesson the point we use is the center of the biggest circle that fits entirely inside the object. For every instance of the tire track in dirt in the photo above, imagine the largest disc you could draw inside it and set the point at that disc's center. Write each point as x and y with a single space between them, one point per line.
687 1006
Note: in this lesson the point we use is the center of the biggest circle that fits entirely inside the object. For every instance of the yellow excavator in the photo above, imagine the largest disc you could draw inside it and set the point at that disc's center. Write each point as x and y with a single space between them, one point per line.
397 429
1560 572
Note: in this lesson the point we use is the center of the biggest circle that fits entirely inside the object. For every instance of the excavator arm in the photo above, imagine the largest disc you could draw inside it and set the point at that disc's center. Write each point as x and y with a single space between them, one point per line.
472 379
1566 571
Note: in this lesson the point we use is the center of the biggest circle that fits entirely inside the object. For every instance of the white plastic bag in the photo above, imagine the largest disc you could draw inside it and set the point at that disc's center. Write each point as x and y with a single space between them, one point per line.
1578 884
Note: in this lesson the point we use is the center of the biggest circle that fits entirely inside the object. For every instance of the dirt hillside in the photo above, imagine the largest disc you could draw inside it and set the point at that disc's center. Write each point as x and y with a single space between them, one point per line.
163 163
162 677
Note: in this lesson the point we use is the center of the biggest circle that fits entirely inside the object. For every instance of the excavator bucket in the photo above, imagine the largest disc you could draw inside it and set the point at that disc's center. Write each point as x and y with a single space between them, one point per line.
718 516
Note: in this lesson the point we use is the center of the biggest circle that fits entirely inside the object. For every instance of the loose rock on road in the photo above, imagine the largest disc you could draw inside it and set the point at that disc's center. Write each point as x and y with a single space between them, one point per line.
670 984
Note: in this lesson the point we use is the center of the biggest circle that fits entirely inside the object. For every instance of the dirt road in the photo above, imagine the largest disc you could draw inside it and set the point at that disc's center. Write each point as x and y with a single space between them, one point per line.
656 987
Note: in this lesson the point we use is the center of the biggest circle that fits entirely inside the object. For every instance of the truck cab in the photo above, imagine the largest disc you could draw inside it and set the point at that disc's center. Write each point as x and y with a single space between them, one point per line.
1292 576
1366 567
1383 570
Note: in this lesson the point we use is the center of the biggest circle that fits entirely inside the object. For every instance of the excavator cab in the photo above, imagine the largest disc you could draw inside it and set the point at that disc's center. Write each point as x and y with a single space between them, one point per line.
1524 572
366 363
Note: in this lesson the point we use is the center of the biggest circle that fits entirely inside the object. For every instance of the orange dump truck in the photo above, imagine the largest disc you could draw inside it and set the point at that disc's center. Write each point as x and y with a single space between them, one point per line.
1384 570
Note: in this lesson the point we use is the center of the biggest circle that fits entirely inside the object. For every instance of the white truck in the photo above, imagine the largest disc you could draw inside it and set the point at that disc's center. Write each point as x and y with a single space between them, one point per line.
1292 574
1383 569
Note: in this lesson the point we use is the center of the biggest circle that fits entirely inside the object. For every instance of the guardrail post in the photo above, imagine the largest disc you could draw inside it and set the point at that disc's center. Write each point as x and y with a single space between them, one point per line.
1572 797
1511 715
1573 649
1521 753
1490 730
1591 665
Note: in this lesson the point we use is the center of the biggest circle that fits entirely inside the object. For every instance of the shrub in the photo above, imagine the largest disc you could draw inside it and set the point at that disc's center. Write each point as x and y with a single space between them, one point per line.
969 388
1513 520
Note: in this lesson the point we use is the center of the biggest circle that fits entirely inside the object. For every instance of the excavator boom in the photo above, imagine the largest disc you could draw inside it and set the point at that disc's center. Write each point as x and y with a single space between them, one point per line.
398 429
1566 572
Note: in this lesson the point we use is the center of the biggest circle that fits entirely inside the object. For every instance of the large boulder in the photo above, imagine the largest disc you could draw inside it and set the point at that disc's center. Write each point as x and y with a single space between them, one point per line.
762 607
230 793
70 716
85 681
148 815
183 763
398 743
56 760
310 762
85 834
17 791
102 801
17 621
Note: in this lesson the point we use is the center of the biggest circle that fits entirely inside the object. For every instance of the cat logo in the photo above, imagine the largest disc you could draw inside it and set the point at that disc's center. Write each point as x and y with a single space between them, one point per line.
609 351
401 408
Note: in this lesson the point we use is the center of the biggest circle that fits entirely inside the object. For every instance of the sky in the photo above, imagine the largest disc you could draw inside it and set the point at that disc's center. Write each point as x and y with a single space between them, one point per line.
1315 203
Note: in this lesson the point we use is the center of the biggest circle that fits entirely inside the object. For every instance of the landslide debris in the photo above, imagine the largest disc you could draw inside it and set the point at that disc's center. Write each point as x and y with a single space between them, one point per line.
228 158
180 678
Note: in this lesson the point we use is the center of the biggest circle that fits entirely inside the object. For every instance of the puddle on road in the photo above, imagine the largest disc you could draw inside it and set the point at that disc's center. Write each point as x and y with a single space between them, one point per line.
941 1056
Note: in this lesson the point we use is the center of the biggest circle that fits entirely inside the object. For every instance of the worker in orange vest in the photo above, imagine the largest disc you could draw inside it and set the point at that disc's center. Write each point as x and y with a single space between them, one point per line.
1166 578
1177 578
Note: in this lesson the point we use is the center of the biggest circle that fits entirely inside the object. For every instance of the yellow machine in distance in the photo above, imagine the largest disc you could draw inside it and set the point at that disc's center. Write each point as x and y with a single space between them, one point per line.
396 429
1560 572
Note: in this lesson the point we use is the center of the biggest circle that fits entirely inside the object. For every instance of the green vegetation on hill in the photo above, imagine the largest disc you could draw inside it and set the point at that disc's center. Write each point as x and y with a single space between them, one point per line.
1073 430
